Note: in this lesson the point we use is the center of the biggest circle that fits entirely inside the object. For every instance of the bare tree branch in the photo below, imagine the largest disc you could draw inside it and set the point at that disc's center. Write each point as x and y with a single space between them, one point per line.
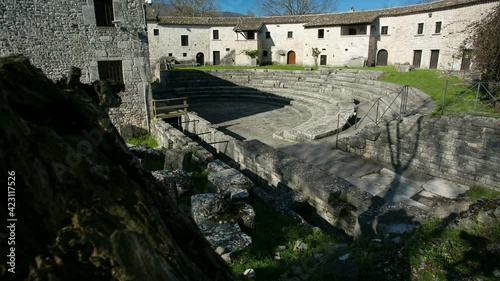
193 8
295 7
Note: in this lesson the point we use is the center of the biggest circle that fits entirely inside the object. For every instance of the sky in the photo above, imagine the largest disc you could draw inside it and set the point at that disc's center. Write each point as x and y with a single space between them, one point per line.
242 6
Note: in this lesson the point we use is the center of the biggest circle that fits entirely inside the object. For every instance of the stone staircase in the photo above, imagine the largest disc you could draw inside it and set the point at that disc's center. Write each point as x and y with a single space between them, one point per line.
329 95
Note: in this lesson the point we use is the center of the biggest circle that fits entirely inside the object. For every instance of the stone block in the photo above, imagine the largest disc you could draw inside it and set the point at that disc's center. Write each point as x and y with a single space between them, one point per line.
227 235
371 132
230 181
404 67
178 159
245 214
209 206
445 188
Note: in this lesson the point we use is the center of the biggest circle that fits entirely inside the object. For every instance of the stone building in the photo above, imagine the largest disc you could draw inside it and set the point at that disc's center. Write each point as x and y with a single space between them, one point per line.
425 35
107 39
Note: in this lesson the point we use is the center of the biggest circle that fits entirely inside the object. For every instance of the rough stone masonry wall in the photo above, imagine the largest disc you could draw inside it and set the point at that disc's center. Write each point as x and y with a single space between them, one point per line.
461 148
58 34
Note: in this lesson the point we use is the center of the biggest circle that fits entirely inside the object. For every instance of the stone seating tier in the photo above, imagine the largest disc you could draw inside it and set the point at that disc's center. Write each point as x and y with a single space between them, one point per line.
328 94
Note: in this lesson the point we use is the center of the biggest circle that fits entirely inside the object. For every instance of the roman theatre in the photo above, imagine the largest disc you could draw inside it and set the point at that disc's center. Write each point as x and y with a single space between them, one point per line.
283 107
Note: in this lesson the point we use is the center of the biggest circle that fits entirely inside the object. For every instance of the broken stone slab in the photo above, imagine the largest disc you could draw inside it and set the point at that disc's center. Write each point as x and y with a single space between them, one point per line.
177 159
230 181
225 234
209 206
404 67
179 180
445 188
217 166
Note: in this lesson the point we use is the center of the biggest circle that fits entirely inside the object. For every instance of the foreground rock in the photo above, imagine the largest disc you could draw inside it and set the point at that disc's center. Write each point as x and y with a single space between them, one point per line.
88 210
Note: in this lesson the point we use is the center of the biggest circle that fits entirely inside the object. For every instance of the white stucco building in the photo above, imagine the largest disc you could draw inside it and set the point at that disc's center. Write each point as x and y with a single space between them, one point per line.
425 35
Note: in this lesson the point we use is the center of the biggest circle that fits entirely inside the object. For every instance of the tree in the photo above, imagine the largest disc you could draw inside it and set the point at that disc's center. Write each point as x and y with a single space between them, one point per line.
182 8
485 42
295 7
315 53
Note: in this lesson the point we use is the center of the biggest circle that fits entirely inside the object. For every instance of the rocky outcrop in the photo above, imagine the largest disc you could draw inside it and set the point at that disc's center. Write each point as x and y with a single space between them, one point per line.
85 208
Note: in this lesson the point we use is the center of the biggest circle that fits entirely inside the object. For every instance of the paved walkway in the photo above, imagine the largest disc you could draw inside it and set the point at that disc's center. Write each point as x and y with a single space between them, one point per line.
411 188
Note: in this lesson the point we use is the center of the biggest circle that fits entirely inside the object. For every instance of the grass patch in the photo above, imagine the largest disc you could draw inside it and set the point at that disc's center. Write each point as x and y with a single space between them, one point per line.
450 253
144 140
478 192
460 97
273 229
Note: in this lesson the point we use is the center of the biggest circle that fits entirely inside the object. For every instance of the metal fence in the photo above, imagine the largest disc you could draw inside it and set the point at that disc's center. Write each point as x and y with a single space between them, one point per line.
481 98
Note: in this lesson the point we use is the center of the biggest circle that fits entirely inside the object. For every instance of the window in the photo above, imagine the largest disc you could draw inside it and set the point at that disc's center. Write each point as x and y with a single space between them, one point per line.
250 35
354 30
438 27
170 54
420 29
184 40
184 54
156 32
321 33
216 34
289 34
228 49
104 12
384 30
110 71
264 53
268 34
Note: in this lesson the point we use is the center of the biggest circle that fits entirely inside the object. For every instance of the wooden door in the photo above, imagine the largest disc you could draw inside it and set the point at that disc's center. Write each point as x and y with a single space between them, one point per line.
216 57
322 60
465 66
417 58
382 57
200 58
434 59
290 58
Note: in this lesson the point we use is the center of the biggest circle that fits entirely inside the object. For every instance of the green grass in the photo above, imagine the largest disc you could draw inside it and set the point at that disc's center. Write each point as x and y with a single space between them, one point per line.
478 192
145 140
273 229
450 253
460 97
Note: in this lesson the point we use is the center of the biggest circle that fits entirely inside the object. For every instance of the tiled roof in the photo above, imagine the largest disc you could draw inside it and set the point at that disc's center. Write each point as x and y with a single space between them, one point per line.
314 20
432 6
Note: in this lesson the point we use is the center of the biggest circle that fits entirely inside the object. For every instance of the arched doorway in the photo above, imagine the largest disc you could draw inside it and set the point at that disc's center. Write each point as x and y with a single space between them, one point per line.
290 58
200 58
382 56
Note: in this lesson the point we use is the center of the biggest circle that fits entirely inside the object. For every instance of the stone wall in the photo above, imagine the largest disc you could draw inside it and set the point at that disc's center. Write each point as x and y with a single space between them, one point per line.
460 148
58 34
336 200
